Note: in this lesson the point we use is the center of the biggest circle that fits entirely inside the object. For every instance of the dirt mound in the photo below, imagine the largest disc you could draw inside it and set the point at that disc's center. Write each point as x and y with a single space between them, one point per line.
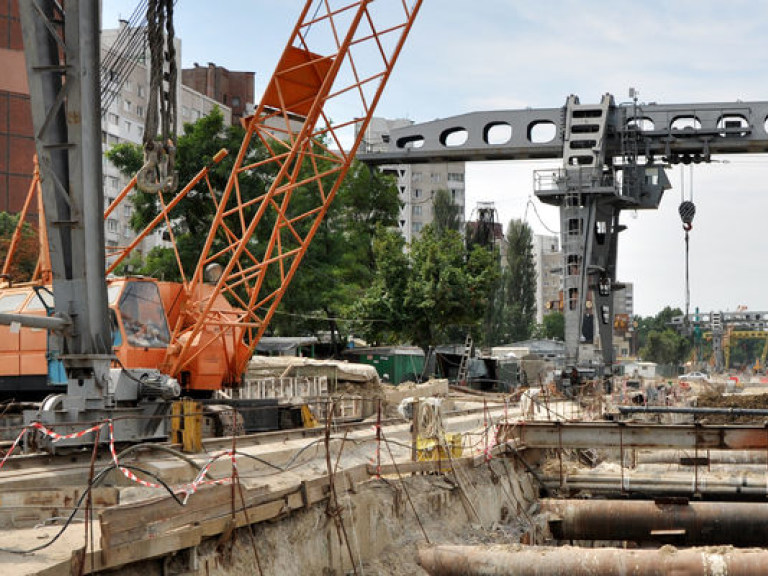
712 399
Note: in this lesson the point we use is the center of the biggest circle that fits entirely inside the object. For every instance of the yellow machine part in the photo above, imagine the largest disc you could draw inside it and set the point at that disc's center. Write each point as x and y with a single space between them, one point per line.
307 418
187 425
429 449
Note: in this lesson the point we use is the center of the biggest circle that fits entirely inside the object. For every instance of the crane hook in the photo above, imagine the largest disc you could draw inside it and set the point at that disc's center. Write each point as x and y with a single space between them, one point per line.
157 173
687 211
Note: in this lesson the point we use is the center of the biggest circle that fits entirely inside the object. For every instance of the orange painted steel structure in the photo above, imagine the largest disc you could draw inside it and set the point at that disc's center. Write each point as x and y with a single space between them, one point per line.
337 61
336 54
42 272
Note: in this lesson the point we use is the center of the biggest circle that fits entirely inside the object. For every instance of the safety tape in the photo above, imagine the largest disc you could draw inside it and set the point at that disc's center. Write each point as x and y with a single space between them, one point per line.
13 446
56 436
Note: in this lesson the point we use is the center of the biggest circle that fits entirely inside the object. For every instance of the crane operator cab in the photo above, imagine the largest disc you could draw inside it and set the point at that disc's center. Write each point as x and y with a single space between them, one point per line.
143 317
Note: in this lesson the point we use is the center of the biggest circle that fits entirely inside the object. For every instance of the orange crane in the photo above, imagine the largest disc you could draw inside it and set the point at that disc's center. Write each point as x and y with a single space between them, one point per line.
336 64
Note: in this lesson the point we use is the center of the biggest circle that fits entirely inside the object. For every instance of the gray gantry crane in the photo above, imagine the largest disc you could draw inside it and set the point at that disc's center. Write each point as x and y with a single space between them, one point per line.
614 158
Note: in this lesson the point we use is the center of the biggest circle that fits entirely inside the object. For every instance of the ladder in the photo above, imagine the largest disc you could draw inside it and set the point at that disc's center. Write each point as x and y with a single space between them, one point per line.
461 378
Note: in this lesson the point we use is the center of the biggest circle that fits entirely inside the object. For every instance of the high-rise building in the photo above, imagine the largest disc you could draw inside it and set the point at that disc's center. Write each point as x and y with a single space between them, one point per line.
17 143
417 183
123 121
549 277
230 88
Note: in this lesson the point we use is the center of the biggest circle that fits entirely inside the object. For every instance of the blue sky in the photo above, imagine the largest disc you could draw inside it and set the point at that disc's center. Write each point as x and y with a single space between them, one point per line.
495 54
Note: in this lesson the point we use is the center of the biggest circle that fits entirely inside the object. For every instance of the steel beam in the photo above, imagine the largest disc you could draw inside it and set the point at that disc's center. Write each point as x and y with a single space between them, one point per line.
665 129
742 524
569 561
630 435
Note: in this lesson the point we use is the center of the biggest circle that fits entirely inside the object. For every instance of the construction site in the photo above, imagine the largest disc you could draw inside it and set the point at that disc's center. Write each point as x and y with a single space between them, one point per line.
156 427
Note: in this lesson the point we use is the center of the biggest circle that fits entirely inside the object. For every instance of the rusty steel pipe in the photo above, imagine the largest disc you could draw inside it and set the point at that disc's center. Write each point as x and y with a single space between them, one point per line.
570 561
642 521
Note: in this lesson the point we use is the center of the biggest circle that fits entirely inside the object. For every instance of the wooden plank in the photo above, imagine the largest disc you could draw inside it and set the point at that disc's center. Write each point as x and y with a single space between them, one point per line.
116 556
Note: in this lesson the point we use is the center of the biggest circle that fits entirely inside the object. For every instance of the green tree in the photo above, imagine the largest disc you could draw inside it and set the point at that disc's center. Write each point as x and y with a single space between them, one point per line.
430 294
193 216
25 255
380 315
658 323
665 347
339 263
518 301
553 325
447 215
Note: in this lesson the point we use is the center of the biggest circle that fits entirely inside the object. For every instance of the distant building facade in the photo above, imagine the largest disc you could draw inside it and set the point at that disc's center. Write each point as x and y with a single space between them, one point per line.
549 276
230 88
416 183
17 142
123 121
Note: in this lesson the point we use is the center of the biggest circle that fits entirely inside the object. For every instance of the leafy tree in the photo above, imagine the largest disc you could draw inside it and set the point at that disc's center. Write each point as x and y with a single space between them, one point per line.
424 296
27 249
553 326
338 264
193 216
380 315
658 323
447 215
665 347
517 301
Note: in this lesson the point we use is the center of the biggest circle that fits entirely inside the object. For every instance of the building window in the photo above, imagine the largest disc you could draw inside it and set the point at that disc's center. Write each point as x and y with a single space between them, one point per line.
140 90
417 226
456 176
453 196
127 126
417 192
111 224
112 140
113 118
416 176
185 112
235 101
417 210
127 105
112 182
128 86
435 177
139 110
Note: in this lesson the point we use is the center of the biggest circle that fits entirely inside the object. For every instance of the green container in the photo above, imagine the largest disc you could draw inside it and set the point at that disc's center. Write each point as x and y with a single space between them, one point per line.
395 364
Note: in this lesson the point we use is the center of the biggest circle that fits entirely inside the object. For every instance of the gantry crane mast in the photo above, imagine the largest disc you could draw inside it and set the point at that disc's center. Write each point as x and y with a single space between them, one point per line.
310 121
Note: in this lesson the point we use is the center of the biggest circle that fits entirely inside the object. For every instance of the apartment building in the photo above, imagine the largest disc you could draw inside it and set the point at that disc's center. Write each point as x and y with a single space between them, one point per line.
123 121
416 183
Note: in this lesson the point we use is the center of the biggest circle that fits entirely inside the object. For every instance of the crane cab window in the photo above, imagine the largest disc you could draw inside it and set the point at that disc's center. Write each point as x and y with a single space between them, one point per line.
39 301
143 317
12 302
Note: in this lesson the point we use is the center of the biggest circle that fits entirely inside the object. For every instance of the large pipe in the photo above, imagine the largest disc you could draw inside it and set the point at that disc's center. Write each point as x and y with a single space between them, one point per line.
642 521
654 484
569 561
700 411
620 435
54 323
713 456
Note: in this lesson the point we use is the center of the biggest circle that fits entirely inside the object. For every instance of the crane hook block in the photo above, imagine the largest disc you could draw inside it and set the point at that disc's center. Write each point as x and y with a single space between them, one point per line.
687 211
157 173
